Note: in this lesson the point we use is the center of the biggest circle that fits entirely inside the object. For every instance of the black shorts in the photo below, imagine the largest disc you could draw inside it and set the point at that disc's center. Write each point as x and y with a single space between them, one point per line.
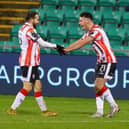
30 73
105 70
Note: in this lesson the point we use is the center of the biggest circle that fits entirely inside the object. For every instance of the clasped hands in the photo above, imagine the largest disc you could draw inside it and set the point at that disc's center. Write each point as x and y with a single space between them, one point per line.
60 50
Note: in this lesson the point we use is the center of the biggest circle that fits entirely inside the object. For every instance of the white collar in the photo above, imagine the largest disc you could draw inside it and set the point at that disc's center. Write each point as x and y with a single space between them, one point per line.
29 24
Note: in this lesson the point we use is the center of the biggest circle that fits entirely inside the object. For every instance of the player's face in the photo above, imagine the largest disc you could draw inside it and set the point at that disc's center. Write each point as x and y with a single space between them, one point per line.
36 20
83 23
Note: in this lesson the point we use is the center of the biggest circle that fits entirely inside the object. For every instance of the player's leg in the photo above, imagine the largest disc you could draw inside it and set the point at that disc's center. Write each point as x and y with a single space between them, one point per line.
102 92
20 97
99 90
39 96
114 108
27 87
40 100
104 71
109 72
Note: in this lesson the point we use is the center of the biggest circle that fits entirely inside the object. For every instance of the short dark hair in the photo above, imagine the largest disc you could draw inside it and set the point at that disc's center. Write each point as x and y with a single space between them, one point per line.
30 14
86 15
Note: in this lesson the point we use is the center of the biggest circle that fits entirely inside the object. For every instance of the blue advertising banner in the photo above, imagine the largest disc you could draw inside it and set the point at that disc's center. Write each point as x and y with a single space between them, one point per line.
66 76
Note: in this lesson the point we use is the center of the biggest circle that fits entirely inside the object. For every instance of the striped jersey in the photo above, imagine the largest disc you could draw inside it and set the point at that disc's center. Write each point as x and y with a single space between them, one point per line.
30 52
101 45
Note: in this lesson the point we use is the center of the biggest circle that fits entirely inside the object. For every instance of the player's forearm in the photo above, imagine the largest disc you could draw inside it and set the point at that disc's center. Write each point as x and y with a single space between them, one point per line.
78 44
45 44
71 48
74 46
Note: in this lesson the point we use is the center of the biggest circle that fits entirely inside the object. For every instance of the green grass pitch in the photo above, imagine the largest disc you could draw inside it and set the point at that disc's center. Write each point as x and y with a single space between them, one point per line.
74 113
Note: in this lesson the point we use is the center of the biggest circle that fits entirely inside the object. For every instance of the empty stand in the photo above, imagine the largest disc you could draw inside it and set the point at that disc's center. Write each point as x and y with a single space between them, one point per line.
59 22
12 12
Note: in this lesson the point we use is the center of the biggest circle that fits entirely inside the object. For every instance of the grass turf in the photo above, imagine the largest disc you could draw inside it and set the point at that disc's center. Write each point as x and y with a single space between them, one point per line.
74 113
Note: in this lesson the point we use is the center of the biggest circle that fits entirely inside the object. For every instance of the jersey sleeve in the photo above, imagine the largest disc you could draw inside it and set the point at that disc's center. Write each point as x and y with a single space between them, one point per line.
95 34
33 34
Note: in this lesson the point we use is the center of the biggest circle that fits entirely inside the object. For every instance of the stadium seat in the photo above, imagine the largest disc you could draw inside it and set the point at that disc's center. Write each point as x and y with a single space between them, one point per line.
67 8
115 44
87 2
118 48
121 9
14 31
34 9
57 32
42 31
54 15
122 3
48 7
106 12
70 16
127 38
111 3
69 13
68 2
42 14
75 32
57 41
1 46
120 51
70 25
106 26
105 9
125 18
86 9
80 52
45 50
112 17
16 46
52 23
125 50
97 17
125 21
15 39
8 46
49 2
116 35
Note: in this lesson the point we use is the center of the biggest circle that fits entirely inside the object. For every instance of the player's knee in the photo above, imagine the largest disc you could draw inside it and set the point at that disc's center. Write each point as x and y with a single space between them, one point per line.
97 88
27 86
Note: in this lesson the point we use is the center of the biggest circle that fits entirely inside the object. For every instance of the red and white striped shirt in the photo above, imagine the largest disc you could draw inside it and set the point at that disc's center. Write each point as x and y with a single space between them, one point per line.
101 45
29 43
30 53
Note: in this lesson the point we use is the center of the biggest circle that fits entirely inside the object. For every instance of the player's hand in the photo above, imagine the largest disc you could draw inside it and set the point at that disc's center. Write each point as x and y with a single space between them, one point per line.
60 49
